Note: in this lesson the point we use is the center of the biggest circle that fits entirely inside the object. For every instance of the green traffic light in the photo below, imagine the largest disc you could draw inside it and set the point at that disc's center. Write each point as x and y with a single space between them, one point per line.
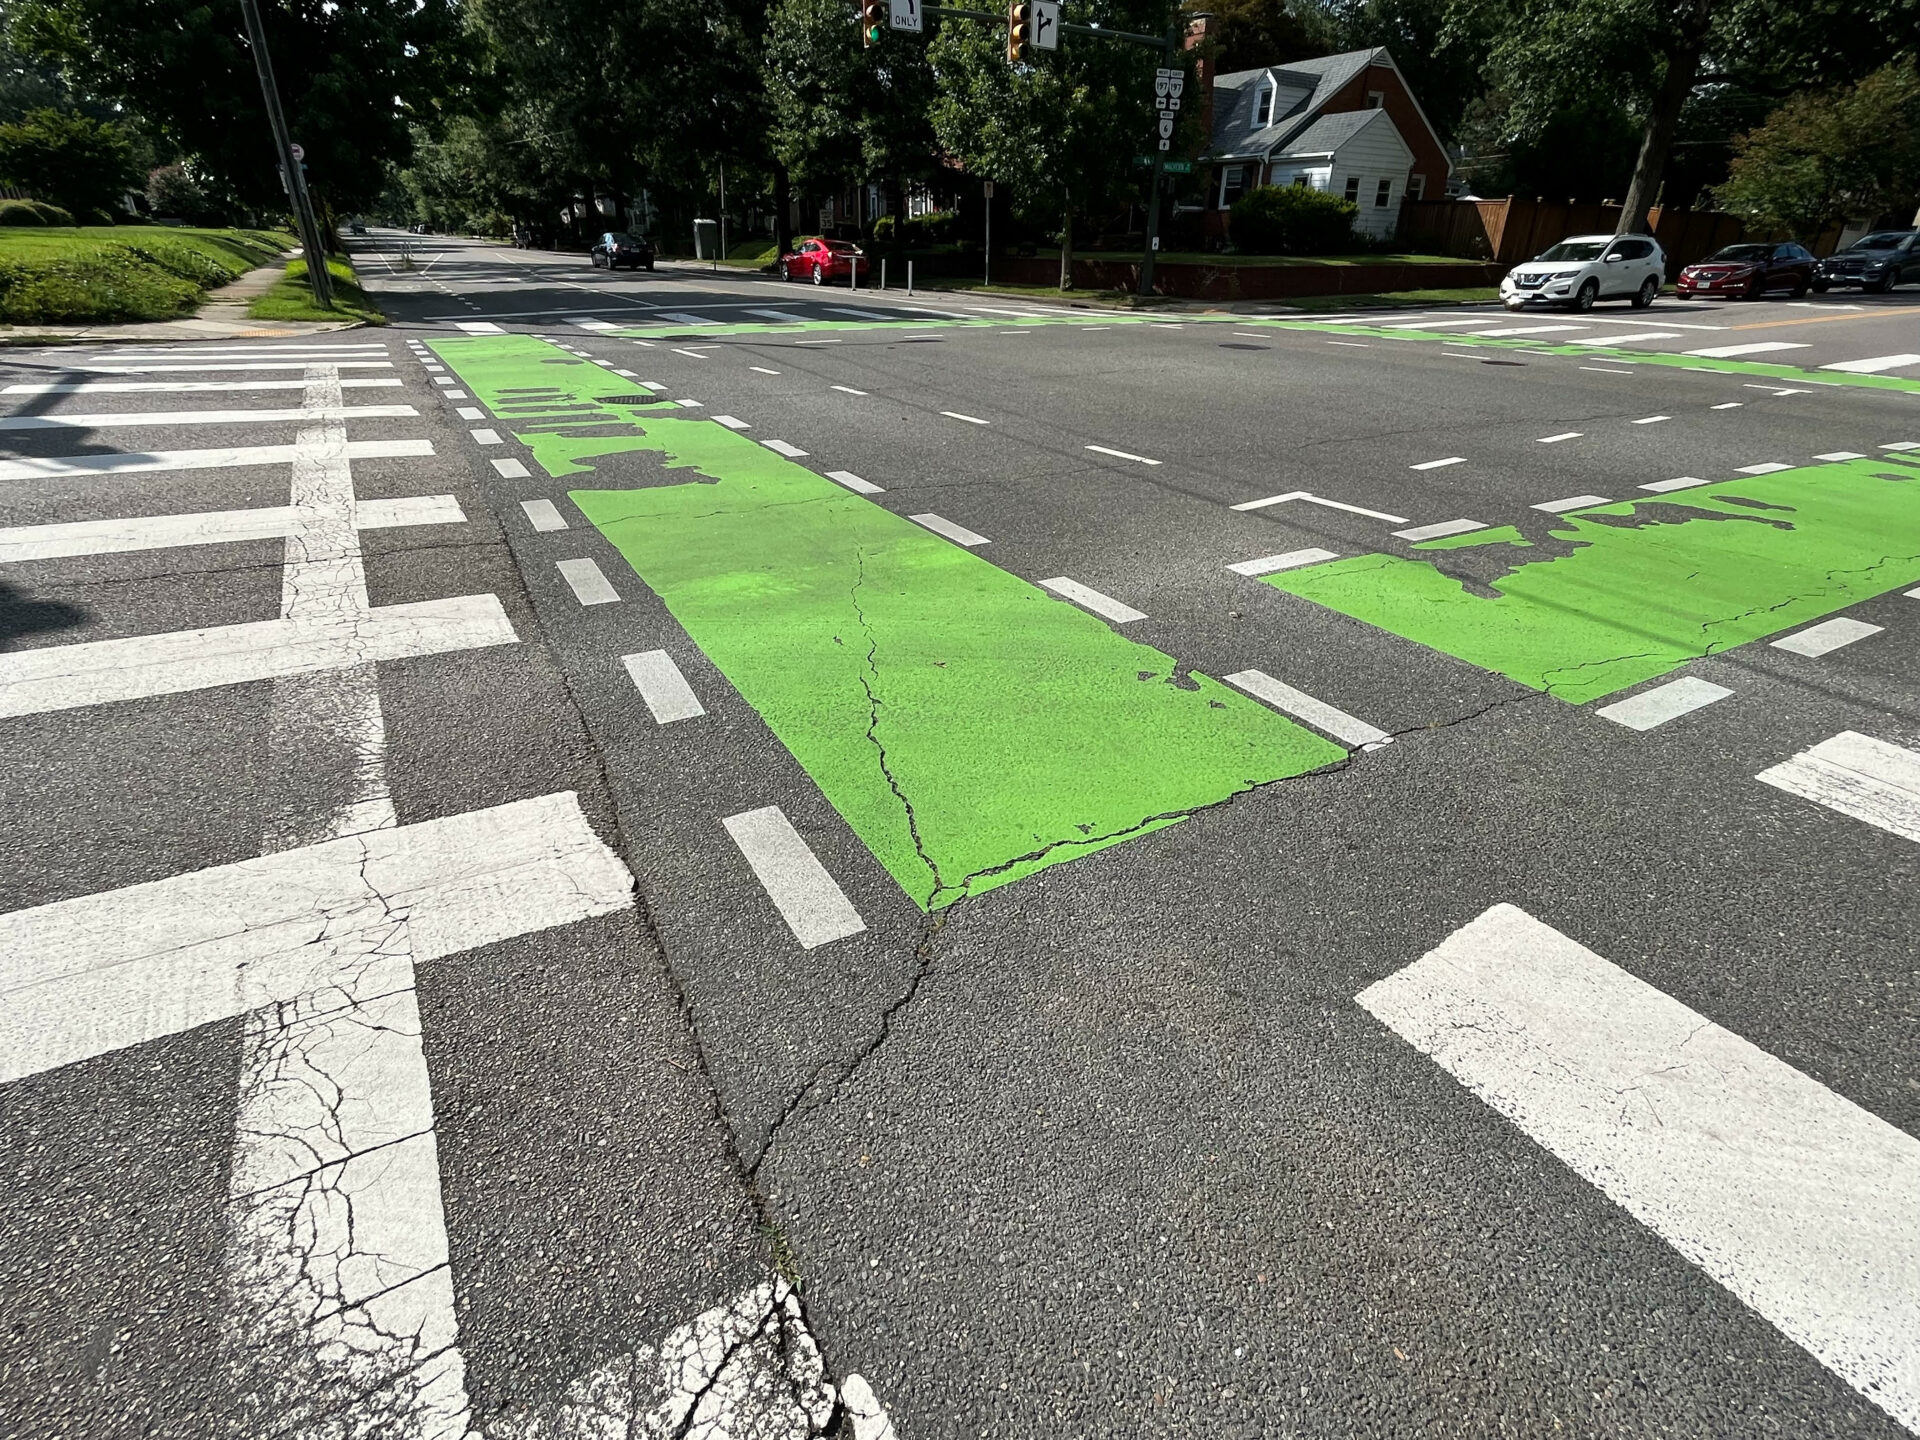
873 34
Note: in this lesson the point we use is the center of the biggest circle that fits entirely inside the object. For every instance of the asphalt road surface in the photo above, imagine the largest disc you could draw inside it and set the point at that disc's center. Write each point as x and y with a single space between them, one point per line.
673 854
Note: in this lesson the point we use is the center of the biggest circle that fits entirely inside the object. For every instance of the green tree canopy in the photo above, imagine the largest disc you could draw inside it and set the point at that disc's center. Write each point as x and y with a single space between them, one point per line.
80 164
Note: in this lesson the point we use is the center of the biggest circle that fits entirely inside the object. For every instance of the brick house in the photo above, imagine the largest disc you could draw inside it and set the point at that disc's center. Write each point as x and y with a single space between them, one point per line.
1347 123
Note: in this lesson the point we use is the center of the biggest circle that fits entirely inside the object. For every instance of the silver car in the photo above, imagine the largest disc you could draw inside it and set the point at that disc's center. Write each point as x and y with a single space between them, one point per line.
1583 269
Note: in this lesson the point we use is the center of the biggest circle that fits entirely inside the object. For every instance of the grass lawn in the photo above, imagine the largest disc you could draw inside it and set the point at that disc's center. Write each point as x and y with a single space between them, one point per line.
290 299
72 275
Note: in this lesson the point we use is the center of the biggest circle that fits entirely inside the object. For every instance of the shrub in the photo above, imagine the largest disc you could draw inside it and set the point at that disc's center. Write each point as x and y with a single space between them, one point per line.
51 214
86 164
19 212
883 230
1292 220
935 228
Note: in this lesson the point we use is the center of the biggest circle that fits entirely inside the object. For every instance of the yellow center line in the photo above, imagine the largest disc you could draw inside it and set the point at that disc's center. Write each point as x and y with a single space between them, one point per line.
1828 319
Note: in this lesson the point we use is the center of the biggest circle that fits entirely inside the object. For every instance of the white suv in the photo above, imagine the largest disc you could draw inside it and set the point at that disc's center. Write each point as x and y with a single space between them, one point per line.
1584 268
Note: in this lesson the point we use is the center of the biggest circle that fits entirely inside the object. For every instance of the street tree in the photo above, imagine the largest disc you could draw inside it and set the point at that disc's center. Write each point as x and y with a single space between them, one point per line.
80 164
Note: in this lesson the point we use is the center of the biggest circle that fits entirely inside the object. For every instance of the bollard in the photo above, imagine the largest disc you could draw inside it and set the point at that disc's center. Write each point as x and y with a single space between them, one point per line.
909 277
883 272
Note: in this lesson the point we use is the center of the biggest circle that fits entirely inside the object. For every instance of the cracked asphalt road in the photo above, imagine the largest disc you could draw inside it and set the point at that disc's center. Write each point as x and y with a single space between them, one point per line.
1107 1151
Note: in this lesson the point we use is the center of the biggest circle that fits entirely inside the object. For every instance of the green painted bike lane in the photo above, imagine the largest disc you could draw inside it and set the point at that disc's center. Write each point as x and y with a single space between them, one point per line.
969 727
1626 592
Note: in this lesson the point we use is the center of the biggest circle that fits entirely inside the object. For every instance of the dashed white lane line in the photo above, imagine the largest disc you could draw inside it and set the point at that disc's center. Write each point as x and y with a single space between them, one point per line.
455 395
959 534
1729 352
691 404
443 380
1679 482
846 390
589 586
225 458
1839 455
1663 703
1729 405
1312 499
1650 419
763 370
858 314
1121 455
1557 439
470 412
1351 344
510 469
1440 324
478 327
732 422
208 527
1291 560
1572 502
99 672
1439 464
662 687
628 374
1827 636
781 447
1902 445
1603 370
1635 338
1530 330
1093 600
1303 707
816 342
785 316
1436 531
544 515
1874 365
691 354
1858 776
1795 1199
486 437
814 906
970 419
1765 467
855 483
656 386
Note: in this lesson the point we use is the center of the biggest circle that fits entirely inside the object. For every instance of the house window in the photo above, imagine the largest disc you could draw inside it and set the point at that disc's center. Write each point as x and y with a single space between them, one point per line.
1233 184
1416 187
1383 194
1263 107
1353 189
1302 181
1375 99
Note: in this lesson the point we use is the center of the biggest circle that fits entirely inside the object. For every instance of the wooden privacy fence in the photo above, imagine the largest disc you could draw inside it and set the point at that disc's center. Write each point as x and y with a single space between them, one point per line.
1509 231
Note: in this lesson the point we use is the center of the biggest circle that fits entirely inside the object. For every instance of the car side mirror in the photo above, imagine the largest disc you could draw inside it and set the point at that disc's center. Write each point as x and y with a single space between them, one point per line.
1611 259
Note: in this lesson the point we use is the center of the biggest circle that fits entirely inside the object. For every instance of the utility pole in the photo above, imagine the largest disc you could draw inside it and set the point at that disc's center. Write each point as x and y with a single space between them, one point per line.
291 175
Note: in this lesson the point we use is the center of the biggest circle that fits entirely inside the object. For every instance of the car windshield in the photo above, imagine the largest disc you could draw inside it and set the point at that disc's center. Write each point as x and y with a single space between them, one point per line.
1885 240
1575 250
1741 252
839 247
621 238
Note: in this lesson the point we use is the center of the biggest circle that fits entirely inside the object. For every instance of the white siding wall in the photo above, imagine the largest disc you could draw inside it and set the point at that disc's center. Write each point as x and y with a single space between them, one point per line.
1374 154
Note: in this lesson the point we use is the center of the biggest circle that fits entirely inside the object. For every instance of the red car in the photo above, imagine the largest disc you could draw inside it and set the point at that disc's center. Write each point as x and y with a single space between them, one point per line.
1748 271
823 261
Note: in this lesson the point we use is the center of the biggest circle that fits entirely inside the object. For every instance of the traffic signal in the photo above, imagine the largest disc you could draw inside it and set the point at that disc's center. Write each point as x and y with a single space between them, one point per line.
873 22
1019 31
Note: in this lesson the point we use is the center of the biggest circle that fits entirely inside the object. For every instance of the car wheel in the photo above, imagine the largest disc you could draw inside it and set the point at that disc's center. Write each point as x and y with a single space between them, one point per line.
1589 293
1820 287
819 276
1801 289
1649 288
649 267
1880 286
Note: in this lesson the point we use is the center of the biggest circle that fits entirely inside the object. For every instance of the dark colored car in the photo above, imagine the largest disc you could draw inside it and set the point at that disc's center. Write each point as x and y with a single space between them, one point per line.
1876 262
1746 272
823 261
617 248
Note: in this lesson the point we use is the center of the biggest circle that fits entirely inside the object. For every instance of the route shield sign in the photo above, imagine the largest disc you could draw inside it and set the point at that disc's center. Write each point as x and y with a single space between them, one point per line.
905 15
1046 24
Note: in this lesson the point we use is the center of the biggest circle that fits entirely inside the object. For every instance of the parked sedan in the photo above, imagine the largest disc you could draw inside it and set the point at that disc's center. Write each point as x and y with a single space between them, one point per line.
1746 272
823 261
1875 262
1584 268
616 248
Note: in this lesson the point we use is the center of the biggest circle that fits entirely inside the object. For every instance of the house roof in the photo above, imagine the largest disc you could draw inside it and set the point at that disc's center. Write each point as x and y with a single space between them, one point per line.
1302 88
1327 133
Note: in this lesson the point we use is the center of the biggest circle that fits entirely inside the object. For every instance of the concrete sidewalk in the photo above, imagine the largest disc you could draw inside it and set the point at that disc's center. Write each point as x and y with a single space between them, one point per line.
222 316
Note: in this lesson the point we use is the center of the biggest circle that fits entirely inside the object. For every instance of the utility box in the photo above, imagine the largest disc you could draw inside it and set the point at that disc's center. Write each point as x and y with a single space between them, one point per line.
706 239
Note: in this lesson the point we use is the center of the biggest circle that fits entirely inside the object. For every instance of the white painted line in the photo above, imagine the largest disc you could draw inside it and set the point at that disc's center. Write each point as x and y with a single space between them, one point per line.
1572 502
100 672
455 395
1302 706
1443 527
1729 405
1766 467
656 386
959 534
690 404
132 463
784 316
1902 445
1556 439
208 527
1650 420
1858 776
1663 703
99 973
188 387
544 515
732 422
1439 464
1875 364
590 587
863 1407
1827 636
470 412
442 379
321 353
1313 499
691 354
846 390
162 418
478 327
816 342
1599 370
815 908
857 314
1834 456
682 318
854 482
1530 330
1633 339
1351 344
970 419
1431 324
763 370
1679 482
510 469
1121 455
1728 352
1777 390
627 374
662 686
1292 560
595 324
781 447
1795 1199
487 437
1093 600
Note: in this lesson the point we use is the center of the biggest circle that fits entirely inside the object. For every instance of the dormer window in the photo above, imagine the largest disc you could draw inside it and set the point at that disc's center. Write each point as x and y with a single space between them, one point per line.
1263 107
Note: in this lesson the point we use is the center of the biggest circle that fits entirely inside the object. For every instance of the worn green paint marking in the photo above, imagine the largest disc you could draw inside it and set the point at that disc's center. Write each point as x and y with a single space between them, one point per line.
970 728
1617 594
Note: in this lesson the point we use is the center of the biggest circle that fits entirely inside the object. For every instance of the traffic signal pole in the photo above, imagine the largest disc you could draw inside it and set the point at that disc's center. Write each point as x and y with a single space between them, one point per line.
319 280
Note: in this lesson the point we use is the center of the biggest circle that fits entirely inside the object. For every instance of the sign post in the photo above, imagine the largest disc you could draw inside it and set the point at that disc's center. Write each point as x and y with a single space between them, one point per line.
1168 83
319 281
986 254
